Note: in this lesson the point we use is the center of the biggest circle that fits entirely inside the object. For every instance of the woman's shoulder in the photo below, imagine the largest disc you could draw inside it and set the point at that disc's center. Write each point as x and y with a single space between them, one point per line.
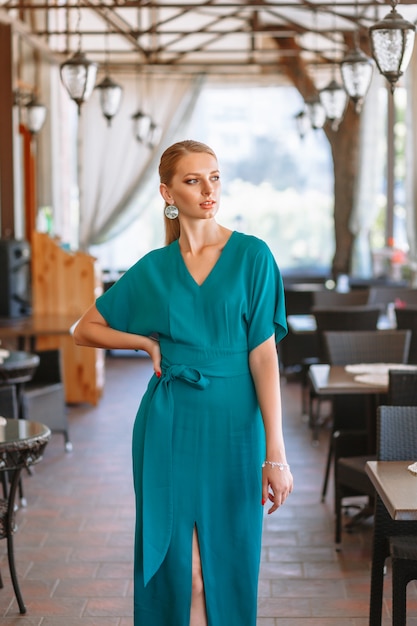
250 244
158 255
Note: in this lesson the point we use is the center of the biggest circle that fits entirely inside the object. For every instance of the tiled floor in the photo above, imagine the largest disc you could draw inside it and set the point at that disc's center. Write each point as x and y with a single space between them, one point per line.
74 544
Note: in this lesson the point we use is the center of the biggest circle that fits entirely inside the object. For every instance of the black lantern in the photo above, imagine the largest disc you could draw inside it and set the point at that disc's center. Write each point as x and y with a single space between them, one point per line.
356 70
141 125
110 97
334 99
78 75
316 112
35 115
392 41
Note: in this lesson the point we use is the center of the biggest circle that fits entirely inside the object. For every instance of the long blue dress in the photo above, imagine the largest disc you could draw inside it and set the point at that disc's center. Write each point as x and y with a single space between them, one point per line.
198 438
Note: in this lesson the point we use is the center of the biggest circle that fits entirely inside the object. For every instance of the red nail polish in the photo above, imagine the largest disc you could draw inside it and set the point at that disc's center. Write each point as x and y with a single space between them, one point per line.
158 374
263 501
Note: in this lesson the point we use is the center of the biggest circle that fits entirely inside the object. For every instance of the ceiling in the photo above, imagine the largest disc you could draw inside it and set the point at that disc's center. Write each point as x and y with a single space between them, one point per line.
217 37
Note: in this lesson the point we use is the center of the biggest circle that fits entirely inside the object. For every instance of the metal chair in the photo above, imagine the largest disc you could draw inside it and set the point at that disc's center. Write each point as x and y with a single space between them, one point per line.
396 441
43 397
349 412
8 409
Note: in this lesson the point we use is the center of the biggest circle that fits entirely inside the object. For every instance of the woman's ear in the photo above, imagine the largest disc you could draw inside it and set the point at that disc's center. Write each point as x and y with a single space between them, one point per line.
163 189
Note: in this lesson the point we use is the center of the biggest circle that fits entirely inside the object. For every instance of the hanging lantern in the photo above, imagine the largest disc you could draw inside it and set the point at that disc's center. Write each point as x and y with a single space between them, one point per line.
303 123
35 115
392 41
316 113
154 136
334 99
78 75
110 98
141 126
356 70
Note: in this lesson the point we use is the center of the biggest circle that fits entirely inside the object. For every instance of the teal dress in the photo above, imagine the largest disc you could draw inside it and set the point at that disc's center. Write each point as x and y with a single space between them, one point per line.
198 438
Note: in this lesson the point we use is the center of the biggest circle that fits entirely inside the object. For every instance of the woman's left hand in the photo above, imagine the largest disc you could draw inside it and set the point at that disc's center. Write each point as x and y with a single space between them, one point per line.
277 484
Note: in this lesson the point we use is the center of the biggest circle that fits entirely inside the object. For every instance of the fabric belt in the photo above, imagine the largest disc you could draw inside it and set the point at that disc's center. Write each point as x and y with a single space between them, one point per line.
157 507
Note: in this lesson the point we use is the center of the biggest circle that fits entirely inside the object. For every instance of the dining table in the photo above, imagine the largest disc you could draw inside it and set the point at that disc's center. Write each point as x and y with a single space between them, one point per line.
26 330
22 444
396 485
395 514
305 324
369 379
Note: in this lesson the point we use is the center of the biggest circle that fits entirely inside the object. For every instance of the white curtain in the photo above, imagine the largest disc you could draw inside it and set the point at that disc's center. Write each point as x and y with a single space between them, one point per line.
370 171
411 152
113 166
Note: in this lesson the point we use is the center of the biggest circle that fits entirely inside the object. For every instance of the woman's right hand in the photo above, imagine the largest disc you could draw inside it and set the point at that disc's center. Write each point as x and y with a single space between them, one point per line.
154 351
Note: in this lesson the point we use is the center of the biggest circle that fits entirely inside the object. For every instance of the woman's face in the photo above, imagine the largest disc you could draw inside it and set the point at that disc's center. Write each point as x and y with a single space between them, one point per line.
195 186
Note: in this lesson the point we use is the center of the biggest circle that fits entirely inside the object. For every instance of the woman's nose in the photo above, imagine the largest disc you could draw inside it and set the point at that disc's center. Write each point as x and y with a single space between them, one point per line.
208 187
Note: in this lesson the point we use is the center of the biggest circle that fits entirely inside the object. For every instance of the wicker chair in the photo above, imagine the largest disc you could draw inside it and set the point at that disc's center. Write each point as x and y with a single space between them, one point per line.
402 387
328 298
396 441
337 319
8 402
407 318
381 346
350 475
349 411
385 295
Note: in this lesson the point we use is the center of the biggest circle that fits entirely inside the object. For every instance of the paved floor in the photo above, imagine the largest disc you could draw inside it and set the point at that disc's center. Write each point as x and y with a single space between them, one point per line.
74 543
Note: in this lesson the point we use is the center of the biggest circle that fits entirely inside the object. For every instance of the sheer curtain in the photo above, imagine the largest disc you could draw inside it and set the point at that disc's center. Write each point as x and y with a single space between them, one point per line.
411 148
113 166
370 171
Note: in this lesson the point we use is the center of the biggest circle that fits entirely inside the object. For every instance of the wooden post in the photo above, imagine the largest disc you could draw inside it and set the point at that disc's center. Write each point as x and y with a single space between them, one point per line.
6 135
29 162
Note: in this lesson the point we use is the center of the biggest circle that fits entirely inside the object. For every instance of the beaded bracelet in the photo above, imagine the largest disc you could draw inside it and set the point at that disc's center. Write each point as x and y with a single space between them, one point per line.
281 466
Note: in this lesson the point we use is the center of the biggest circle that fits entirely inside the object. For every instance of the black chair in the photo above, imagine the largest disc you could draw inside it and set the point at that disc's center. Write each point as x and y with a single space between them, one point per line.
350 437
378 346
43 398
337 319
329 298
8 402
350 476
407 318
383 296
396 441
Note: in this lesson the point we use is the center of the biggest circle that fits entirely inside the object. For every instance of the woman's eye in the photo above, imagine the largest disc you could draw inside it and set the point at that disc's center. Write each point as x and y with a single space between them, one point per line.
215 178
191 181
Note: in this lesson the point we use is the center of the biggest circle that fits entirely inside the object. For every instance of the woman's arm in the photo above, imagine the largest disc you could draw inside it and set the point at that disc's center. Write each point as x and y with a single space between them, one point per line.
263 363
92 330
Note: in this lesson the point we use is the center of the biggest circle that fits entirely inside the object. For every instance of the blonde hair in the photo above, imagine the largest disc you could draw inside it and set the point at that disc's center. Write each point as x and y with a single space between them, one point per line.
167 169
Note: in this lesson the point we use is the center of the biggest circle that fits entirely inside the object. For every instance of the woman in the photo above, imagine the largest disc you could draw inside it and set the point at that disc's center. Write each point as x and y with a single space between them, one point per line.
208 449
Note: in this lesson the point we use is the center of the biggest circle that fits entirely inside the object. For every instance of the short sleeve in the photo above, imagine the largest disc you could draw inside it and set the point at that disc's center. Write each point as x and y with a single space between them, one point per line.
267 311
115 305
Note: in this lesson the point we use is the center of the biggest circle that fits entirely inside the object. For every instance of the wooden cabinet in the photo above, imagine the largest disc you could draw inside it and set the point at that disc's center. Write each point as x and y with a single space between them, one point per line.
66 284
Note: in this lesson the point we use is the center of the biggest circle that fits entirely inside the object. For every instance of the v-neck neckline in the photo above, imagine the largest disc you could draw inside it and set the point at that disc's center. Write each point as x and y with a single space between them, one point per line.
187 271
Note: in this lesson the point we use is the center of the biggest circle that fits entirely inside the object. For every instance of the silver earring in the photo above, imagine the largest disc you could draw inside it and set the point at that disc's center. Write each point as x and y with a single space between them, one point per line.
171 211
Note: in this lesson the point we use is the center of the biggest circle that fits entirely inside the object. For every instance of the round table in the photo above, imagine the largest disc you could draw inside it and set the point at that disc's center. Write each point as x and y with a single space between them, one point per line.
18 367
21 445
